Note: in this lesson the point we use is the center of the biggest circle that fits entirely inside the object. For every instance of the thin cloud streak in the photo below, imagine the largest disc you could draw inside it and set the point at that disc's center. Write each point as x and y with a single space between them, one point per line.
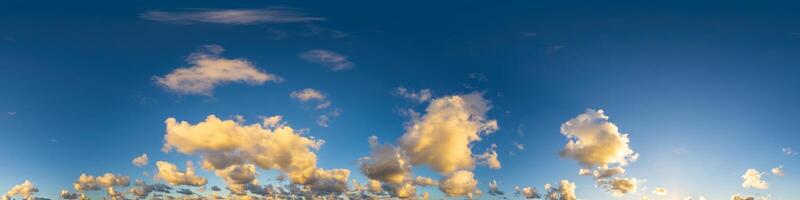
232 16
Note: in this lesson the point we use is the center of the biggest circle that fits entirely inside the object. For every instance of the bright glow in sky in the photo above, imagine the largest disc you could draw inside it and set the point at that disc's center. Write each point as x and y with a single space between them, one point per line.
412 100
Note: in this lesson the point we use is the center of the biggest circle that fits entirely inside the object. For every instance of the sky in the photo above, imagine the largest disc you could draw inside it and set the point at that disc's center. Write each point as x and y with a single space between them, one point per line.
558 100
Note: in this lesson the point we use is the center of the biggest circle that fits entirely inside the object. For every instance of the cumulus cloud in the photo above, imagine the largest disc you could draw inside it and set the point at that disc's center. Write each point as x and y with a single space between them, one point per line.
169 172
489 158
141 160
268 145
660 191
441 137
596 143
527 192
620 186
68 195
752 179
494 190
386 164
142 190
742 197
26 190
416 96
330 59
778 171
208 70
459 183
90 183
564 191
232 16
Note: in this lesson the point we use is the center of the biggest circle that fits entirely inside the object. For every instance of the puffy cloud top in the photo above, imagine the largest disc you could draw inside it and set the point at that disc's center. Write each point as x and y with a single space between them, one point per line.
460 183
441 137
170 173
594 141
752 179
26 190
141 160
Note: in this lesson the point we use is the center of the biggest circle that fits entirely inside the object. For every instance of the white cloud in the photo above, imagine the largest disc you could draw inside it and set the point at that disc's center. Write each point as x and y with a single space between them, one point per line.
209 70
519 146
494 190
778 171
460 183
141 160
788 151
330 59
416 96
170 173
752 179
441 137
232 16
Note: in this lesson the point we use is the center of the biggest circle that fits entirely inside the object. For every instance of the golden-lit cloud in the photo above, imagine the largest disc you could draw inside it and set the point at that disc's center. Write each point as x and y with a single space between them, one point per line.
141 160
752 179
460 183
425 181
440 138
26 190
527 192
565 190
268 145
778 171
169 172
209 70
660 191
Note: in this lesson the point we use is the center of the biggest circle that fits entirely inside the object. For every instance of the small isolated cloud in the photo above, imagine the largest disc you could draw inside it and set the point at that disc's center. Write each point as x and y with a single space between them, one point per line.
11 113
208 70
308 94
660 191
527 192
494 189
232 16
415 96
170 173
778 171
330 59
140 160
519 146
742 197
752 179
788 151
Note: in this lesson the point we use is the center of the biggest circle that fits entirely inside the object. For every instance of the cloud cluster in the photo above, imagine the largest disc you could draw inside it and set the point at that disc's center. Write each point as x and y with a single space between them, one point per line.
26 190
141 160
209 70
232 16
596 143
330 59
90 183
565 190
416 96
752 179
233 150
169 172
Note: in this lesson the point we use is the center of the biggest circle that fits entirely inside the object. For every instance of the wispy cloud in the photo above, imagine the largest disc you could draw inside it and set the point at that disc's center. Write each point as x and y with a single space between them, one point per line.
330 59
232 16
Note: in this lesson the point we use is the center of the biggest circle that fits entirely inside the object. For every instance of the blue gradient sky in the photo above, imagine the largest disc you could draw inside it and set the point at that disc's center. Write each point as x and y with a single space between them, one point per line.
705 90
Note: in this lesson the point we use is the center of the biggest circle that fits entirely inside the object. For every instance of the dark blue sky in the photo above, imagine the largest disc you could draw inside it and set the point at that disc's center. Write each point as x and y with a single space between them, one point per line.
705 90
